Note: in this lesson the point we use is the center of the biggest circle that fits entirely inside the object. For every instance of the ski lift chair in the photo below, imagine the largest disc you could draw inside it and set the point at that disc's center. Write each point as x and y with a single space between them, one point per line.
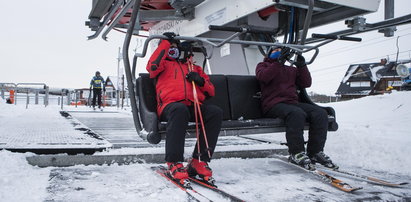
237 95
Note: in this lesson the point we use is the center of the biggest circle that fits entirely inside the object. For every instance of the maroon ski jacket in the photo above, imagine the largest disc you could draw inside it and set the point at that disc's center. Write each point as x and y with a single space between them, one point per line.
172 85
279 82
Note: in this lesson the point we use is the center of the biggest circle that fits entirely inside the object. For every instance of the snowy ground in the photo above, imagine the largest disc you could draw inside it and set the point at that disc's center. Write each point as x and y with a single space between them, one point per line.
373 138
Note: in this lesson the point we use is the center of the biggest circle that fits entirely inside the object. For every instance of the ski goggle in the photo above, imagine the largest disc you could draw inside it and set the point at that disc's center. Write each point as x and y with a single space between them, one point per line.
174 53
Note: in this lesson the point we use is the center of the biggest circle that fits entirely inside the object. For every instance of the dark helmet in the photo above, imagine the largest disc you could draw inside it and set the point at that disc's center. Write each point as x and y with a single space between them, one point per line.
97 73
186 47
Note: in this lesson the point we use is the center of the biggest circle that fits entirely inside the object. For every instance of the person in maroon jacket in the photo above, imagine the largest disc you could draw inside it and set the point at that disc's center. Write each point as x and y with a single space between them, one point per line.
175 104
279 84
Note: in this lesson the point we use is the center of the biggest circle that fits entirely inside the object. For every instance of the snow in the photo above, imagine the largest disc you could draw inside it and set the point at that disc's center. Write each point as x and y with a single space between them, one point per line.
20 181
349 73
373 138
376 131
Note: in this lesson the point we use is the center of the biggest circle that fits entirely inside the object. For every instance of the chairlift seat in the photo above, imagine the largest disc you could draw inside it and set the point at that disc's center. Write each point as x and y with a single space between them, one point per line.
237 95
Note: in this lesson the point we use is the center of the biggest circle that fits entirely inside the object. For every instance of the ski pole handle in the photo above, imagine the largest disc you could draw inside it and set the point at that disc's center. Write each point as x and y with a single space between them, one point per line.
335 37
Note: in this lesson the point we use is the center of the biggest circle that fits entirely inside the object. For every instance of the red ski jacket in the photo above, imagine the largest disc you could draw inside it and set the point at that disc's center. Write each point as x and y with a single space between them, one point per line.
171 83
279 82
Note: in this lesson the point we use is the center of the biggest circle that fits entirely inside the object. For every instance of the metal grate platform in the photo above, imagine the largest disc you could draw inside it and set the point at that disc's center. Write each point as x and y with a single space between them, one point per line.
47 131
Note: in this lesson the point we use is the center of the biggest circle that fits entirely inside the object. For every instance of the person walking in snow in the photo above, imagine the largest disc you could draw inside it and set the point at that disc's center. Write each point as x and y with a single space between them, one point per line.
97 84
279 84
175 104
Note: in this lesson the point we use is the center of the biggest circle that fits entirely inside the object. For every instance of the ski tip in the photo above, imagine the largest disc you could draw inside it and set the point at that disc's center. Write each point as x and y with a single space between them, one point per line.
352 189
403 183
356 189
347 188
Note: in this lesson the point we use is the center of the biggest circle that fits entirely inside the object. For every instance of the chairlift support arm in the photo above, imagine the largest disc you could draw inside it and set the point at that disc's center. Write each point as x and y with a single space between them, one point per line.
128 5
127 68
108 17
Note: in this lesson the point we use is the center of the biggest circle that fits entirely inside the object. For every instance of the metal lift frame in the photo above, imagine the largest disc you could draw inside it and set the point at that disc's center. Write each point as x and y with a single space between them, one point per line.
215 42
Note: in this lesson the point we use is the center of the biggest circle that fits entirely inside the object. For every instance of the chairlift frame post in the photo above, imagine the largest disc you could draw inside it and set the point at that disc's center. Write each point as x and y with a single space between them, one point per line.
127 68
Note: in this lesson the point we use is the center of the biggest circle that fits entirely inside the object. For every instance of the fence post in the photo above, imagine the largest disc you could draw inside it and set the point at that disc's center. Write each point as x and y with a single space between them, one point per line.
36 97
76 97
46 96
127 99
13 95
68 97
28 99
62 95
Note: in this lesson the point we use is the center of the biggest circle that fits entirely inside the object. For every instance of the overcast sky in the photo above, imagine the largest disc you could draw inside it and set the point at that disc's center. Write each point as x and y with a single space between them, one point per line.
45 41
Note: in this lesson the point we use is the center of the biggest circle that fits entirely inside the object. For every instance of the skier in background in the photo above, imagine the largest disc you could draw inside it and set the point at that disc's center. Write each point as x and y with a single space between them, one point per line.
97 84
279 84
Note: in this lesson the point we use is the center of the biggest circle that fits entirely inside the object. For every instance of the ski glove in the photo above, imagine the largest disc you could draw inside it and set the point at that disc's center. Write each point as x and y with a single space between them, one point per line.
170 37
284 55
300 62
194 76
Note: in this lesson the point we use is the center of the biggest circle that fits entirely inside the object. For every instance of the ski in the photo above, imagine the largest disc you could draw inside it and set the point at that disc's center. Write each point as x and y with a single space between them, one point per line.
325 177
366 178
192 195
339 184
214 188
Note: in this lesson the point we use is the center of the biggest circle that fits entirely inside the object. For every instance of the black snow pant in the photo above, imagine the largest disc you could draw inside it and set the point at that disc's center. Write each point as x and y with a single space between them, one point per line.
295 116
177 116
97 94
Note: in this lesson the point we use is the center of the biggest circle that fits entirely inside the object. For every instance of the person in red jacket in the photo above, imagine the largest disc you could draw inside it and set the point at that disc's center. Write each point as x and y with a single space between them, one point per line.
279 85
175 104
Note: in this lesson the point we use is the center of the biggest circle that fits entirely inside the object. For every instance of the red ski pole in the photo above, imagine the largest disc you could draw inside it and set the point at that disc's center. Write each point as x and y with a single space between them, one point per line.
197 112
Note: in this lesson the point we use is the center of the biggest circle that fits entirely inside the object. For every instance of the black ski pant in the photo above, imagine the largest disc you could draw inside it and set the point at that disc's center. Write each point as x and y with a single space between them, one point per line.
295 117
177 116
97 95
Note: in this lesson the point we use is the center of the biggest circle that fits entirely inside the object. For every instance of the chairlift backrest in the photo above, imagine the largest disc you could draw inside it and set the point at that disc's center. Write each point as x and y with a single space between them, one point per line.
237 95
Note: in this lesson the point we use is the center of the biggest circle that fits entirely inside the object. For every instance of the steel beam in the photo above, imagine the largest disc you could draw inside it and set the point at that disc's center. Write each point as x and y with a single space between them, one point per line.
388 14
127 66
107 18
406 19
100 8
128 5
159 15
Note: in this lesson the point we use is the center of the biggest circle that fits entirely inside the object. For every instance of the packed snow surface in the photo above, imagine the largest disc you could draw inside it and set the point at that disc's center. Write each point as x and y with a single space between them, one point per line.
373 138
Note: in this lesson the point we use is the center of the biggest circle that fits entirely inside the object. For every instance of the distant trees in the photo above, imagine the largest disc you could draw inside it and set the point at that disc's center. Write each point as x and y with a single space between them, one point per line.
321 98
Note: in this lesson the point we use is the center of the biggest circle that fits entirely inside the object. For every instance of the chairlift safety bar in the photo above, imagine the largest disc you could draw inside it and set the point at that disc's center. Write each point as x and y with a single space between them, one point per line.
215 42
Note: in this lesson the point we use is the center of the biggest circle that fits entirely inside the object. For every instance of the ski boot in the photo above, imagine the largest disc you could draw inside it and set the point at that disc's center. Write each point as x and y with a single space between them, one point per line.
179 173
200 168
301 159
323 159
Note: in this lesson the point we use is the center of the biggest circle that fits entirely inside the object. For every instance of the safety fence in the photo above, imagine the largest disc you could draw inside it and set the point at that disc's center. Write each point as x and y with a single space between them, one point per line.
40 94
